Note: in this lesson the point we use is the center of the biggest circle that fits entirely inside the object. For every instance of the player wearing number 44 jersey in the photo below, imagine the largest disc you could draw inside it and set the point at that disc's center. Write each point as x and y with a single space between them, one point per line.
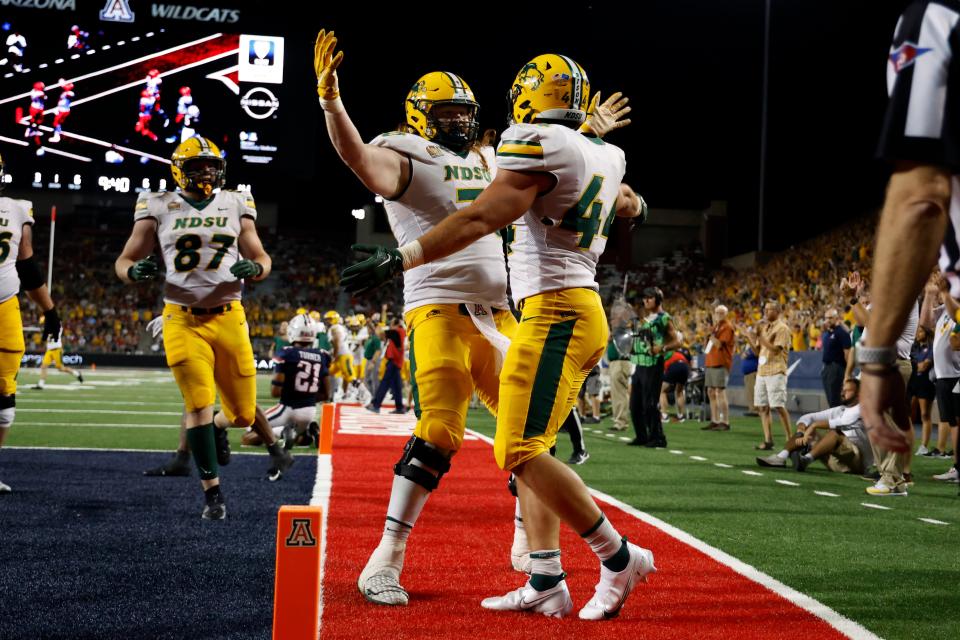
567 187
209 244
18 270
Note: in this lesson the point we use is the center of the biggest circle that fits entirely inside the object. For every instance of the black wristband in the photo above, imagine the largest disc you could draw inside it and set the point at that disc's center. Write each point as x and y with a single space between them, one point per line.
29 274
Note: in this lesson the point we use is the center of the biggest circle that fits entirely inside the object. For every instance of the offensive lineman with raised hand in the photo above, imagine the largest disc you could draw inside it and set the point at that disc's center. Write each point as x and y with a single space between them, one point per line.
568 188
18 269
455 309
210 244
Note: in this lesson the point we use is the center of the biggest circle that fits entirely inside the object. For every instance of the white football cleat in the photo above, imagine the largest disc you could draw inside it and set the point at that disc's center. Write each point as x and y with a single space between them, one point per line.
379 582
5 488
554 602
614 586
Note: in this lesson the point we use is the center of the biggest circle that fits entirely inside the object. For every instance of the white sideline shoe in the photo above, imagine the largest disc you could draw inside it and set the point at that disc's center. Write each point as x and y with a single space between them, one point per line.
554 602
949 476
379 582
614 587
5 488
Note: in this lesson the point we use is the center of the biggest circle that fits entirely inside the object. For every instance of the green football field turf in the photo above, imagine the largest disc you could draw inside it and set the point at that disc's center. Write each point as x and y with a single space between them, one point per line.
884 568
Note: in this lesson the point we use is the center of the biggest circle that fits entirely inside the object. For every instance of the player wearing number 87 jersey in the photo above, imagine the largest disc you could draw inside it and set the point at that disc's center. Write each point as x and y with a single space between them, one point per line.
209 243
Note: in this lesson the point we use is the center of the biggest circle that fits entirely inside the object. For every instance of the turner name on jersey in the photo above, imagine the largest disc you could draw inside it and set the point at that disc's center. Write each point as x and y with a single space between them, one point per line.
199 245
561 238
303 373
441 183
13 215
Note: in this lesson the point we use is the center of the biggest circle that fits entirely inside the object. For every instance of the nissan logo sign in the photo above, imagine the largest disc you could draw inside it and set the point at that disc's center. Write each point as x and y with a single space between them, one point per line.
259 103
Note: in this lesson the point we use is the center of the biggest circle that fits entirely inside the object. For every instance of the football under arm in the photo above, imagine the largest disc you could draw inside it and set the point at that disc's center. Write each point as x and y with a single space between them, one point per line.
251 248
140 244
507 198
383 171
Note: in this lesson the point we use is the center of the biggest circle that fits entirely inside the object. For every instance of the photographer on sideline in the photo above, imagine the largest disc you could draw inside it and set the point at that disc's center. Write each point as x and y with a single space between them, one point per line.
654 334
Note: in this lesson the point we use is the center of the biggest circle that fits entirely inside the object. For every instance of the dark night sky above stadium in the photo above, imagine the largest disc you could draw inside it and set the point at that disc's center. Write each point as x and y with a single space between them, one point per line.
692 68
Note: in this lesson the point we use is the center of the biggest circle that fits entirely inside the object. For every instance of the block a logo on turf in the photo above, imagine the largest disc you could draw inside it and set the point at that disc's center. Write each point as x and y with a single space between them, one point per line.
117 11
300 534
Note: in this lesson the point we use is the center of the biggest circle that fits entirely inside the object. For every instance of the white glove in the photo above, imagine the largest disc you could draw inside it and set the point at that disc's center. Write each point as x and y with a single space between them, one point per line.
606 117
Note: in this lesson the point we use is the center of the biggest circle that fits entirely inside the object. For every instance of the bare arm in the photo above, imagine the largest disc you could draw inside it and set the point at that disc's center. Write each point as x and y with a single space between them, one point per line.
629 203
251 248
928 320
912 226
140 244
507 198
671 343
382 170
40 295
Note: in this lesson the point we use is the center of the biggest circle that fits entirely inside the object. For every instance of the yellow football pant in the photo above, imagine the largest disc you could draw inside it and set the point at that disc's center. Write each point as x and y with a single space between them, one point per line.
560 338
54 357
449 358
211 353
342 367
11 345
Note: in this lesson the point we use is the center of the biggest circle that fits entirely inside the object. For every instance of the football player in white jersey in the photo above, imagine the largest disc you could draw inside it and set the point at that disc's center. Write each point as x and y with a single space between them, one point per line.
18 270
209 242
53 354
454 309
567 187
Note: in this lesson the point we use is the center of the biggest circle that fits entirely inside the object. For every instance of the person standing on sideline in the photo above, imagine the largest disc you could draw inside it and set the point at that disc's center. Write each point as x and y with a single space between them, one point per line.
619 370
771 339
719 361
654 335
836 352
54 355
395 336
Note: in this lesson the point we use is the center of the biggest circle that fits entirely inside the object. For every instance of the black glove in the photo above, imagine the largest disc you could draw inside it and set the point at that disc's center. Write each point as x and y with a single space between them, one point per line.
246 269
51 324
146 269
382 265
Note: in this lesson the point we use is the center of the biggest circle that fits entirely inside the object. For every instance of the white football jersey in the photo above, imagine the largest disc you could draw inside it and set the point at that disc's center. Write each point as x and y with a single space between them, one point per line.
565 231
199 245
337 334
442 182
13 215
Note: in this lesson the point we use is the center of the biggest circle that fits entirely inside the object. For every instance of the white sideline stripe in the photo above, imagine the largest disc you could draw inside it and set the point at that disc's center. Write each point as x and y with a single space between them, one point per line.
751 473
827 494
698 458
66 153
44 401
722 465
110 411
14 141
841 623
610 435
788 483
112 425
870 505
932 521
625 438
321 497
676 452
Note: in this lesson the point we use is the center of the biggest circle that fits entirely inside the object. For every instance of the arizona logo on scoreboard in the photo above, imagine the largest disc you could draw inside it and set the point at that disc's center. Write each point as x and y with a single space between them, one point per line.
117 11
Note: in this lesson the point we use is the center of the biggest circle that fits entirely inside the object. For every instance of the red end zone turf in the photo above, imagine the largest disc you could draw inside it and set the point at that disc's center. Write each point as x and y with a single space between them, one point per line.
459 553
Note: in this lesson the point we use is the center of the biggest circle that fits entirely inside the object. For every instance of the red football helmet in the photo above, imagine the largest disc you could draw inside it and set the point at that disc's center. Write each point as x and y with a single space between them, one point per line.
38 86
153 73
184 91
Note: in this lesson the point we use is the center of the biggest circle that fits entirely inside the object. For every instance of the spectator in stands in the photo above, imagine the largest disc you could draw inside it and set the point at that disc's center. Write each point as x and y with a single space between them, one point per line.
676 372
748 367
921 390
843 446
771 338
620 370
836 352
937 314
719 360
279 340
798 339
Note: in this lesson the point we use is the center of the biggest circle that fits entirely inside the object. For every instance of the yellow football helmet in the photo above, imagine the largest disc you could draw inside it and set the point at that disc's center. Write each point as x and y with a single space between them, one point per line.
207 175
361 319
332 317
550 88
439 88
301 310
315 315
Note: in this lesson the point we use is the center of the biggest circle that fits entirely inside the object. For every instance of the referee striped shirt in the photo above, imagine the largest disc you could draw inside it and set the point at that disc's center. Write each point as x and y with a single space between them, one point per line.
922 123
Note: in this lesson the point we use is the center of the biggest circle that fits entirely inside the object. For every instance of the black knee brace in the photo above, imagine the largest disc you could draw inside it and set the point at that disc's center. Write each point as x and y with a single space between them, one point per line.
418 449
